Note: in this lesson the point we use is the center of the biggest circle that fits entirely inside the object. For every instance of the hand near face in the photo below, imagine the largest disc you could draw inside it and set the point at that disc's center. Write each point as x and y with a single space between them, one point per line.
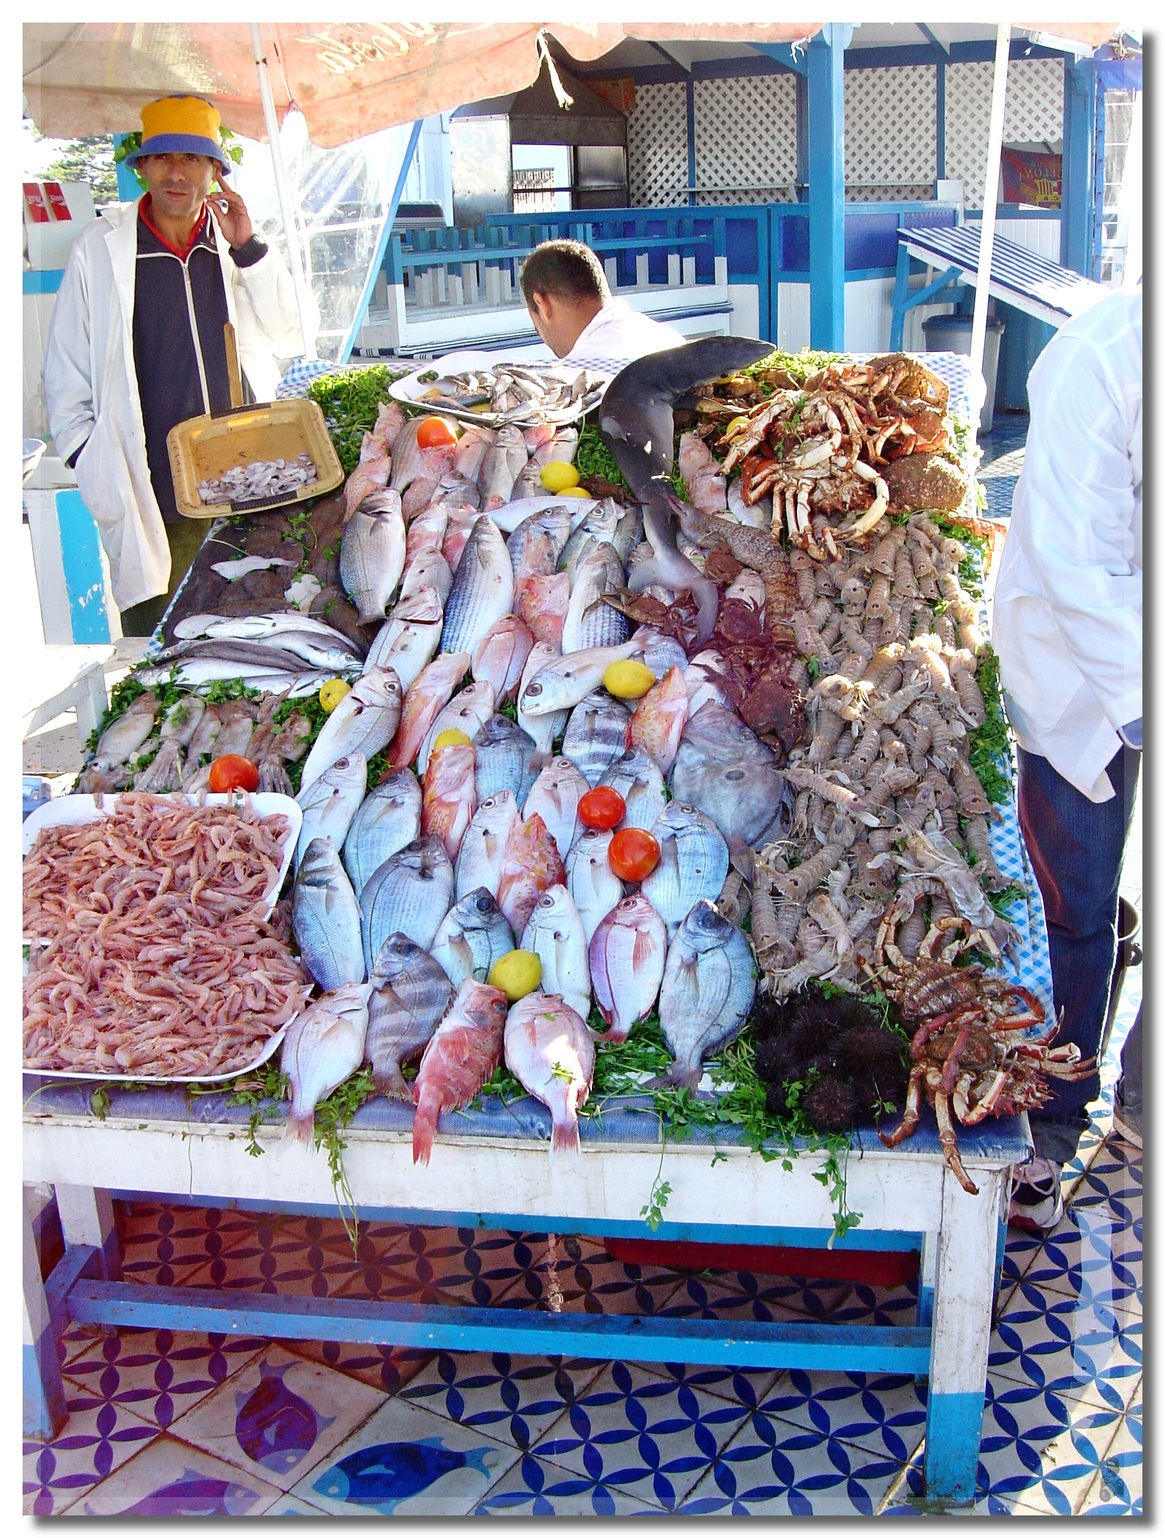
230 213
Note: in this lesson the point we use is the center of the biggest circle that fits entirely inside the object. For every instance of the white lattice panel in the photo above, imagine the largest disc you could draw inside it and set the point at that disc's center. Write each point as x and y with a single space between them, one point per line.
746 138
1033 112
657 146
890 149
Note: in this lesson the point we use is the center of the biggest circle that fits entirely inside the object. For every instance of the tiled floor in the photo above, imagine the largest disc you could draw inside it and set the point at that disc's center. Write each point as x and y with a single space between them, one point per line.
169 1424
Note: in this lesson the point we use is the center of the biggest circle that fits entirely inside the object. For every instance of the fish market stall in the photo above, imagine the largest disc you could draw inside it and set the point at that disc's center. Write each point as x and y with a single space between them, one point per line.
646 850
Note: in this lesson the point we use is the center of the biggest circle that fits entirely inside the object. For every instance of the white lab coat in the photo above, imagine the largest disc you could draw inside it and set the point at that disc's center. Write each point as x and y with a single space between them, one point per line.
618 334
1066 620
91 389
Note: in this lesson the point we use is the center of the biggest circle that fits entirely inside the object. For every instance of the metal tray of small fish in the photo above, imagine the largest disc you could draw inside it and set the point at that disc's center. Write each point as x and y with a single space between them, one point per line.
495 391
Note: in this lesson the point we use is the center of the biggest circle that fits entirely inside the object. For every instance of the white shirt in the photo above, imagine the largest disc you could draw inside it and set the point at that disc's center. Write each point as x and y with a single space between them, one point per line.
1066 621
618 334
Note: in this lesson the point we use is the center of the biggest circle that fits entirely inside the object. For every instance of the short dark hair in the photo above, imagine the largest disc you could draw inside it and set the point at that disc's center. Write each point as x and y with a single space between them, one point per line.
565 269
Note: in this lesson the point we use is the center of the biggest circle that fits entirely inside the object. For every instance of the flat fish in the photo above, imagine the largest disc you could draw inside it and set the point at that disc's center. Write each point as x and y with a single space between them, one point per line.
386 820
593 884
693 863
410 994
555 796
724 768
531 865
504 753
460 1056
550 1051
372 553
709 982
482 591
468 710
637 778
328 804
448 797
555 933
626 955
473 935
323 1046
325 916
427 696
479 859
596 734
365 721
412 891
657 722
591 621
501 655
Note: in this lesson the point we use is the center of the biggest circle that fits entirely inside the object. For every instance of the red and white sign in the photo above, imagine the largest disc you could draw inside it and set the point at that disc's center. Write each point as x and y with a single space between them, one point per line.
55 194
36 203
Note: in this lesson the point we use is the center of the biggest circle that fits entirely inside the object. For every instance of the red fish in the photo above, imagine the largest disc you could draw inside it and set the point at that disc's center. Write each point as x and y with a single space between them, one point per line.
460 1056
658 721
501 655
448 796
531 865
541 601
426 697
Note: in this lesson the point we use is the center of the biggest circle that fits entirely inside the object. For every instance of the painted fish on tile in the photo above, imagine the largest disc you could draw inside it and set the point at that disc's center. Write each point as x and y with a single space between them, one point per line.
274 1426
192 1495
387 1473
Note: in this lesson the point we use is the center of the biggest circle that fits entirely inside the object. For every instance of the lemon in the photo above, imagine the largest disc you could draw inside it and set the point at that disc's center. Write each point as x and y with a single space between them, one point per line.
558 475
628 680
517 973
333 692
452 737
574 491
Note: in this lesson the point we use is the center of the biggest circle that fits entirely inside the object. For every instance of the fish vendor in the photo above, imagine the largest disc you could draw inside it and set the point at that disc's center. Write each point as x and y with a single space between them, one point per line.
575 314
136 344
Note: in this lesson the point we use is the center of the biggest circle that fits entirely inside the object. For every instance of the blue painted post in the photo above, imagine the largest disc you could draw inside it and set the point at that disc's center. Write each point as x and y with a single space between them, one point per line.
1078 199
84 577
827 186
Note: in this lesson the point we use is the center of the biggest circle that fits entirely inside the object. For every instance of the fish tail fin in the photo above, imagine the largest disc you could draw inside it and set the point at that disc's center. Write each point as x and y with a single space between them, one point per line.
424 1126
301 1127
390 1082
564 1139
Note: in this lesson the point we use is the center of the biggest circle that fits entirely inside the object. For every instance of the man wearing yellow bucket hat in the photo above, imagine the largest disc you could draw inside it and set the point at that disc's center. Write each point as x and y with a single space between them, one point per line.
136 344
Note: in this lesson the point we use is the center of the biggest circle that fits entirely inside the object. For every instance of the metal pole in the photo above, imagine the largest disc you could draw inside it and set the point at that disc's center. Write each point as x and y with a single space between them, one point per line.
294 254
990 198
381 244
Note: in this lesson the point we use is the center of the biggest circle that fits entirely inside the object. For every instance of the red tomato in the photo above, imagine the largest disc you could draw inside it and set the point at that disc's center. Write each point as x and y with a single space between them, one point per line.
434 432
633 854
602 807
233 772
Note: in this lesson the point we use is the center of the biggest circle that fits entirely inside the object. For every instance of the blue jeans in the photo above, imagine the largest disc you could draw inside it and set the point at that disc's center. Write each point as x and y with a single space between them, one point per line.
1076 847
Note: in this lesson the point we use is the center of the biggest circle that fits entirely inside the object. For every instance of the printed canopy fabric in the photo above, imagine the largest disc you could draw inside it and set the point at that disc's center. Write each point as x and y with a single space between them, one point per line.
347 78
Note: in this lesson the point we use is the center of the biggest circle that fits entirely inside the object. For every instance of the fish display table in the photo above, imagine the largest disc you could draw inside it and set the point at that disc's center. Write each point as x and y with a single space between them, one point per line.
490 1169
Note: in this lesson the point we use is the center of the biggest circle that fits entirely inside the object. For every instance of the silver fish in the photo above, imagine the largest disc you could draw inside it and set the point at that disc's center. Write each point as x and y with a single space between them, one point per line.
553 521
503 752
325 916
430 569
543 728
555 796
504 459
472 447
386 820
372 553
482 591
468 711
637 778
555 933
724 768
259 627
408 645
693 862
329 803
596 734
479 860
412 891
626 955
364 721
193 672
323 1046
472 936
550 1051
709 982
591 621
562 682
593 884
597 528
410 993
515 512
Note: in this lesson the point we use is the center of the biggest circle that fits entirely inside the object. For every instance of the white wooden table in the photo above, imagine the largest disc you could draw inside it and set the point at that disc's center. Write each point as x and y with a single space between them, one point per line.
492 1171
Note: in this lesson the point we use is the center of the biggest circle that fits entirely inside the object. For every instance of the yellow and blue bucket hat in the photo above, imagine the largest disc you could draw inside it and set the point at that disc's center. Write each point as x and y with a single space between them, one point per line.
180 125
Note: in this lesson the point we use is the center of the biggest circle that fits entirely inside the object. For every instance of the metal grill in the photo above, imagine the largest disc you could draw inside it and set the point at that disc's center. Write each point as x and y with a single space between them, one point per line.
657 145
889 133
1034 111
746 139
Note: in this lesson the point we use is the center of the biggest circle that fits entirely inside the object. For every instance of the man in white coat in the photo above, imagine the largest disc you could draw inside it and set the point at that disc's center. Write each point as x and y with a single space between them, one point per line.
136 344
1066 625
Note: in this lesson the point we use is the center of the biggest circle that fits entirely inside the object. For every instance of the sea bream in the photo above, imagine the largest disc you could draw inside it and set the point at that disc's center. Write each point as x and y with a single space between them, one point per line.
504 754
479 859
541 600
467 711
429 569
550 1051
412 891
550 524
596 734
555 933
448 797
626 956
501 655
460 1056
325 916
364 721
693 863
328 804
637 778
372 553
410 994
593 884
388 818
324 1045
482 591
409 638
709 982
473 935
555 796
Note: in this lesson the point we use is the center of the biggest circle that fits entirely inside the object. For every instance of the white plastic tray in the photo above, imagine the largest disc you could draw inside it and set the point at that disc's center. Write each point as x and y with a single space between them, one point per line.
410 390
270 1047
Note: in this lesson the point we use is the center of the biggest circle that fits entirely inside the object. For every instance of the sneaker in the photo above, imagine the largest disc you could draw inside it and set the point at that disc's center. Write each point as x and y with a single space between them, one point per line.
1036 1202
1127 1124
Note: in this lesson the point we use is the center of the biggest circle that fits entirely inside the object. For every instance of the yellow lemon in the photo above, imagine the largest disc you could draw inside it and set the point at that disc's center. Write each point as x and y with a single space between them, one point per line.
517 973
558 475
333 692
574 491
452 737
628 680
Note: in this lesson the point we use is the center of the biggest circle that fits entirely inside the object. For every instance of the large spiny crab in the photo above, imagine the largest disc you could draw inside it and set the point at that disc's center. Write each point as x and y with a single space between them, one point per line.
969 1060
